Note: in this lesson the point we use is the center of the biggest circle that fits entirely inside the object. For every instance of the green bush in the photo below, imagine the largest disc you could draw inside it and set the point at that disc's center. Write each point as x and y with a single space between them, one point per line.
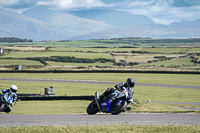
160 57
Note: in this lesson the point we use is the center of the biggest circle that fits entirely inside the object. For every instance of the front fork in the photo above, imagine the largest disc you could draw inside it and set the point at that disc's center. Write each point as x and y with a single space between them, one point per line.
96 99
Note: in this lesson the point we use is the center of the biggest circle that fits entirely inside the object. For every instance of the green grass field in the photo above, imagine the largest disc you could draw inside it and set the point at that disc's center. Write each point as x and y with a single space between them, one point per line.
194 50
173 62
20 62
165 50
79 107
93 49
25 48
68 65
105 50
142 93
106 129
143 58
48 54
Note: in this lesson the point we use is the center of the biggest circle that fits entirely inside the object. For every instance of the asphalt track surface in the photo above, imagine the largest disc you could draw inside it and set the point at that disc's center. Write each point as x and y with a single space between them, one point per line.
9 120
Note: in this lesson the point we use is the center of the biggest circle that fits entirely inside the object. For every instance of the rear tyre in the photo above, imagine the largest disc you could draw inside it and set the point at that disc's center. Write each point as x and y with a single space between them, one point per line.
116 109
92 108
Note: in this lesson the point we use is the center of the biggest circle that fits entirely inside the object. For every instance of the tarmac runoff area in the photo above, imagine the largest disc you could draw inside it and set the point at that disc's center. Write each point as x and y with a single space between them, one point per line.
11 120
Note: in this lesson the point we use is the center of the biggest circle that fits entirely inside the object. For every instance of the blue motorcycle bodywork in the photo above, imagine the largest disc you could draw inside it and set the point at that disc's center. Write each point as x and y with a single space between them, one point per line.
107 104
7 100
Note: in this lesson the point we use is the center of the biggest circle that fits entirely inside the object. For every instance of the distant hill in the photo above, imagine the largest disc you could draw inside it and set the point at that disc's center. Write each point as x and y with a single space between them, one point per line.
116 18
43 24
16 25
186 24
71 24
161 32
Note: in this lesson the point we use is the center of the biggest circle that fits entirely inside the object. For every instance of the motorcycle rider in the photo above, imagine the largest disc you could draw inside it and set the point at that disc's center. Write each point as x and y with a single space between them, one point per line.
11 91
130 83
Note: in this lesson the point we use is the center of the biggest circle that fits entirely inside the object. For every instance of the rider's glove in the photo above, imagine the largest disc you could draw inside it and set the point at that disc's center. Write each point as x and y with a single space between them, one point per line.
12 104
0 92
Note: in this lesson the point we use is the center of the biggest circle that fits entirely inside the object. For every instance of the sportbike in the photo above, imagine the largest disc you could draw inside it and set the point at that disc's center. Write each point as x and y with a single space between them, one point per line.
108 105
5 101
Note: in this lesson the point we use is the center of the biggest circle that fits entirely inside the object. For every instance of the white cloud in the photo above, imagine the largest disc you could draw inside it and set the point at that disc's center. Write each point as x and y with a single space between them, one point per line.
161 11
8 2
71 4
139 3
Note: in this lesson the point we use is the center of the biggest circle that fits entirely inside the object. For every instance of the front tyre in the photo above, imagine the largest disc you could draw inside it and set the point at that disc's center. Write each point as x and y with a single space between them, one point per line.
2 106
117 108
92 108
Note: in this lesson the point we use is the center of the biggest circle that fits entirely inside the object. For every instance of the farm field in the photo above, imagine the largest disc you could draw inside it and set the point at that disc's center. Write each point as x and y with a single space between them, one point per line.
142 58
75 65
165 50
114 42
21 62
185 61
123 54
99 50
48 54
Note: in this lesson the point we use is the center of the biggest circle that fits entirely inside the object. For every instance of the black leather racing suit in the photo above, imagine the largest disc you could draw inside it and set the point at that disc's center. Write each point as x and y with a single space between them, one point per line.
119 87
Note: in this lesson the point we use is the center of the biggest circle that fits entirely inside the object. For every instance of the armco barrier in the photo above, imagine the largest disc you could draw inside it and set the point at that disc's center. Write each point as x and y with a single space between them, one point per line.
22 98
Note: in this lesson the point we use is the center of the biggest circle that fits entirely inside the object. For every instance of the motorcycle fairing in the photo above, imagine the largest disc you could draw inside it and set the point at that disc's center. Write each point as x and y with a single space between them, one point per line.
6 98
107 104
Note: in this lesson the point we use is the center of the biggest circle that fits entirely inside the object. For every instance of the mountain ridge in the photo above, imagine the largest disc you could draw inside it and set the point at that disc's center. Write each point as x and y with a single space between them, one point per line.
56 25
16 25
116 18
67 22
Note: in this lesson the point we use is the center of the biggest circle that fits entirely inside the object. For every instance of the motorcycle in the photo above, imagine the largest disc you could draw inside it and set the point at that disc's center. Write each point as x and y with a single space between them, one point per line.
114 103
5 101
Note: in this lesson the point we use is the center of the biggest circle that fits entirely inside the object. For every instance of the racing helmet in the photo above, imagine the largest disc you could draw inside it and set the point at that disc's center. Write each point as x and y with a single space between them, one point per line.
130 82
13 88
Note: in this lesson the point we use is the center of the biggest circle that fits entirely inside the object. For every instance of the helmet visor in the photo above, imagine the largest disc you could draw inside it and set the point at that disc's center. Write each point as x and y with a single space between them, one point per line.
14 91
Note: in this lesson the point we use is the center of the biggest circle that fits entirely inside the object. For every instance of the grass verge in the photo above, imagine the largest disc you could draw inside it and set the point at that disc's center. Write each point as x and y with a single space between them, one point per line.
105 129
79 106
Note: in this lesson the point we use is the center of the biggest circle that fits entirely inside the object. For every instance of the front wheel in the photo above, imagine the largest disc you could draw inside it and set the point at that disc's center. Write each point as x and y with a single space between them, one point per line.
2 106
118 107
92 108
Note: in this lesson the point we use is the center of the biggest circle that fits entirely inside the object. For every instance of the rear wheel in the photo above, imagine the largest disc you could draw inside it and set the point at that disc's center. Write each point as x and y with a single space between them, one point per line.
92 108
117 108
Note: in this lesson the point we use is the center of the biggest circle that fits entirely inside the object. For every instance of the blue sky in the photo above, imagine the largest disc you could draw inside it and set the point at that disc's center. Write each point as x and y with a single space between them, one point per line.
160 11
